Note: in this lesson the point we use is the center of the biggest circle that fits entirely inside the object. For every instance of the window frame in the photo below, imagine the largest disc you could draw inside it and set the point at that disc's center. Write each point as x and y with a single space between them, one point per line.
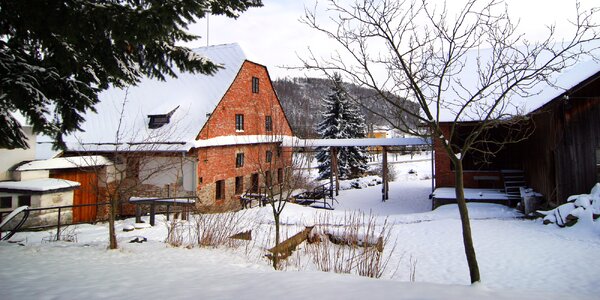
220 190
255 182
239 159
269 156
22 198
239 185
2 202
239 122
268 178
255 85
269 123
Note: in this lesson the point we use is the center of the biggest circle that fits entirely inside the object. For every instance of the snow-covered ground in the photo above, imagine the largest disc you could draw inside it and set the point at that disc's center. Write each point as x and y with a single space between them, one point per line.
518 258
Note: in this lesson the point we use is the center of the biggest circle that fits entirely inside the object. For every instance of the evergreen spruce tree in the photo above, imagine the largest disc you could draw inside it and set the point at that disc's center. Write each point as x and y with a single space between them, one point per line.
56 56
341 119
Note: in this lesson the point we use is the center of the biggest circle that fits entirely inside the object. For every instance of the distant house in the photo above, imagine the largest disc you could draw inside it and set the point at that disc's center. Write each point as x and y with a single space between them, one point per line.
32 187
210 137
562 155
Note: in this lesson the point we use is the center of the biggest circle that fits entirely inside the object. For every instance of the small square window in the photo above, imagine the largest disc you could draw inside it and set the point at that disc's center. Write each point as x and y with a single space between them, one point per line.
269 156
239 185
254 85
6 202
25 200
239 160
220 190
268 123
239 122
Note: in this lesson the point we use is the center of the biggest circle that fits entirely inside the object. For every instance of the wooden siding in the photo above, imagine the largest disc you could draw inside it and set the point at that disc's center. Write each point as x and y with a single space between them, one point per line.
559 158
86 194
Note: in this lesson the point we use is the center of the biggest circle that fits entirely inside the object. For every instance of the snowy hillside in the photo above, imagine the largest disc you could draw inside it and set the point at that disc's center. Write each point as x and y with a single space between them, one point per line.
302 97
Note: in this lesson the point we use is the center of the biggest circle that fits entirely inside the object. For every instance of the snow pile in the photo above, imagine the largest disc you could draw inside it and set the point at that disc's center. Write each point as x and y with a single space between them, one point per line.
580 209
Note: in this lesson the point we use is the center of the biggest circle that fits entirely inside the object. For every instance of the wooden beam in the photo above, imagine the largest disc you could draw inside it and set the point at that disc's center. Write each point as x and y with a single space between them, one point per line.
384 176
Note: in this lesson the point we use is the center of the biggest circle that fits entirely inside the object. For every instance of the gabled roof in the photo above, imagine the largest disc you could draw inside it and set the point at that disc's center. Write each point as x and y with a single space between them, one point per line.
190 98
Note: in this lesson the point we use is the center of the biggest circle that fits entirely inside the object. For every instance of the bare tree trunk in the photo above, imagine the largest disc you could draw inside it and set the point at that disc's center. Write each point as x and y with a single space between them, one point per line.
277 238
111 225
466 224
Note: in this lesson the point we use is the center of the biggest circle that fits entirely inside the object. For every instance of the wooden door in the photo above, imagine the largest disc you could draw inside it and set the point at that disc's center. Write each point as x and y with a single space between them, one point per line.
87 193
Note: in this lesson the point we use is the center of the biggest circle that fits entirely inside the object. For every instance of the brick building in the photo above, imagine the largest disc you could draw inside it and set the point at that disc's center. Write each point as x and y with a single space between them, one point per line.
213 137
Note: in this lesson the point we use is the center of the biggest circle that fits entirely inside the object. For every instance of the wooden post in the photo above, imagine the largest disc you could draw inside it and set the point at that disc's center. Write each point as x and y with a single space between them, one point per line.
335 170
384 176
152 213
331 156
138 213
58 226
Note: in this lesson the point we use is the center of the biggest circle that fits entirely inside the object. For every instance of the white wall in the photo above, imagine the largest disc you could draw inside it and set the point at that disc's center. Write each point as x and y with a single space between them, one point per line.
161 171
15 156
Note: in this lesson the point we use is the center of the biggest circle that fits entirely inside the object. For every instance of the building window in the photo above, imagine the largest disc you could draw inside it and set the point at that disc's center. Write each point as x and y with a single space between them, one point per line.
278 152
157 121
220 190
280 175
254 181
132 170
239 185
268 123
269 156
239 160
254 85
6 202
25 200
239 122
268 178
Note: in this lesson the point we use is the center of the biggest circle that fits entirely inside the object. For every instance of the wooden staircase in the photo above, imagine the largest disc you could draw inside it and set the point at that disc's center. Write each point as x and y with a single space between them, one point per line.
513 181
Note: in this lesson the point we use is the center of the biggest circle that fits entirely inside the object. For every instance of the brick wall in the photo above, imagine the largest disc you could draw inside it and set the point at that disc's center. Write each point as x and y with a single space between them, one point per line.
445 176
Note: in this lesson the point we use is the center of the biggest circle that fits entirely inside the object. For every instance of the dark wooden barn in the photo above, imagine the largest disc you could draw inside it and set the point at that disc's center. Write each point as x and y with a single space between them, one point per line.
560 158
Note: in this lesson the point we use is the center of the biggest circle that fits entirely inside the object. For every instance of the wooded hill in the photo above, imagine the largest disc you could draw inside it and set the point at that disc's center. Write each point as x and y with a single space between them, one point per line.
302 97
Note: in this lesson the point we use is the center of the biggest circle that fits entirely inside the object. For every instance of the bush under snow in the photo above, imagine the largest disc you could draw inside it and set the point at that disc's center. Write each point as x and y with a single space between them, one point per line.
581 209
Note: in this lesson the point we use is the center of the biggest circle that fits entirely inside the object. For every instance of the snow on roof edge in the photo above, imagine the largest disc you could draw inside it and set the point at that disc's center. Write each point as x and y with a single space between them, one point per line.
39 185
66 163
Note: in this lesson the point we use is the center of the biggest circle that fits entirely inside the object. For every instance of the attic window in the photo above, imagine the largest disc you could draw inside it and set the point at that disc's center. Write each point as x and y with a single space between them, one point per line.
255 85
157 121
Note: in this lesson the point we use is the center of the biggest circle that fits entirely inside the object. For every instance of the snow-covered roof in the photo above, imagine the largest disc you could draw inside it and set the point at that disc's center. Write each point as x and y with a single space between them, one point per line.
244 139
467 82
193 96
355 142
38 185
66 163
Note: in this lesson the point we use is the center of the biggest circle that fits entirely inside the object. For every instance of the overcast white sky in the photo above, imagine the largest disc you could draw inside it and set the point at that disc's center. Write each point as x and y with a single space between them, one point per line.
272 35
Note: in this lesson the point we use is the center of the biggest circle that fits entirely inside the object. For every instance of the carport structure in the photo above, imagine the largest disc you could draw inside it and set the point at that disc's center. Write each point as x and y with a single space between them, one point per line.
384 143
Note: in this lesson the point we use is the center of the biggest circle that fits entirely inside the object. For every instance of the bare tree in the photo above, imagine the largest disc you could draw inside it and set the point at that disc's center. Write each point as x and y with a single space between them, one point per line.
283 171
466 65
